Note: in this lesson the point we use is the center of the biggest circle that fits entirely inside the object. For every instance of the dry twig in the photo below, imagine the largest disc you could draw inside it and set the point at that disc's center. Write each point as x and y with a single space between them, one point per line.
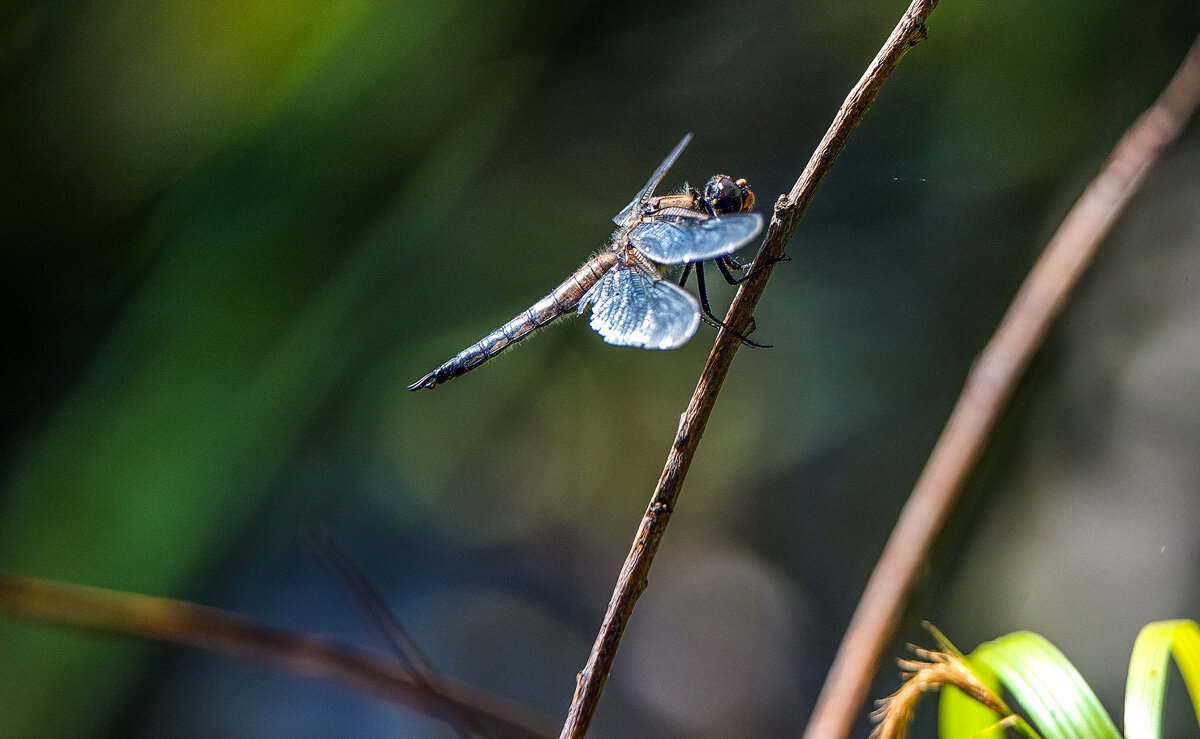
788 210
988 388
225 633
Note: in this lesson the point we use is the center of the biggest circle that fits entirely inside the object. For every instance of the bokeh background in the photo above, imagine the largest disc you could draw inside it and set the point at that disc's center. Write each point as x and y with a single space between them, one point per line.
232 233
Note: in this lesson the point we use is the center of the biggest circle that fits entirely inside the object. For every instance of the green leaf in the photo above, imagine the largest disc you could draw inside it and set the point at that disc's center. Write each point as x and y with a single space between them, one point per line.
1148 674
1051 691
962 717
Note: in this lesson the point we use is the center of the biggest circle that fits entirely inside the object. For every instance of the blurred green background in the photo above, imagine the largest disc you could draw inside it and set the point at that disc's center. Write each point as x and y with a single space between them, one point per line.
234 231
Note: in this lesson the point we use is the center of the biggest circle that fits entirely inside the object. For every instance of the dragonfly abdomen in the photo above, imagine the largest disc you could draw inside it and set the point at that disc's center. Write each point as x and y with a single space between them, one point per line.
562 299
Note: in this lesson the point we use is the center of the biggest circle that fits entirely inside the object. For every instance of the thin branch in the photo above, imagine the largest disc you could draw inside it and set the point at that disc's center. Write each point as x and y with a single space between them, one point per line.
988 387
788 210
385 622
226 633
381 618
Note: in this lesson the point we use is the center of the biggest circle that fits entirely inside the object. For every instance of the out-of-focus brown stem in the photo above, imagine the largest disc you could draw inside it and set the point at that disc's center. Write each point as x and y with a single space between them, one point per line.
988 388
788 210
226 633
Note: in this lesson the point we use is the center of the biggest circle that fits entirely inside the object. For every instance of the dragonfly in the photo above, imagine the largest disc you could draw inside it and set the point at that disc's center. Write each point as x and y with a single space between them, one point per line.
632 303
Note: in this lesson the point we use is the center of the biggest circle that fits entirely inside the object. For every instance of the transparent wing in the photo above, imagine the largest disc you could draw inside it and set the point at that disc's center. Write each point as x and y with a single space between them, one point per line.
683 240
632 306
655 178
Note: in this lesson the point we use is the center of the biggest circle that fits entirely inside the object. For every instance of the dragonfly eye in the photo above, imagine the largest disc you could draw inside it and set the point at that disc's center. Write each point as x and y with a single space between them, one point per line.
724 195
747 195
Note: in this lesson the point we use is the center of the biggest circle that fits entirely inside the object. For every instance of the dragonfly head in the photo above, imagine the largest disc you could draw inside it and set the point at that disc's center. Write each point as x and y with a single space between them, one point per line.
727 195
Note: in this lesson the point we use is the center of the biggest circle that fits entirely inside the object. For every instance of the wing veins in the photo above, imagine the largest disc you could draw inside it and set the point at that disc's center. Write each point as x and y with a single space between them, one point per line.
635 306
683 240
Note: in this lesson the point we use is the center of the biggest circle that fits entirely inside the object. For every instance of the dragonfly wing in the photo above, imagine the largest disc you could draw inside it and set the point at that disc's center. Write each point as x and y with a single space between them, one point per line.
655 178
685 240
633 306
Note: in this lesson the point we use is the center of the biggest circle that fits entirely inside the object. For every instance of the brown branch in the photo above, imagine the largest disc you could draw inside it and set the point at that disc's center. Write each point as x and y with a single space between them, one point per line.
988 388
788 210
226 633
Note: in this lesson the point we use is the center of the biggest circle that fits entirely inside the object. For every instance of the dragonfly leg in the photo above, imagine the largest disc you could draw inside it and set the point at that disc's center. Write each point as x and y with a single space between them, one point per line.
712 320
726 263
699 201
687 270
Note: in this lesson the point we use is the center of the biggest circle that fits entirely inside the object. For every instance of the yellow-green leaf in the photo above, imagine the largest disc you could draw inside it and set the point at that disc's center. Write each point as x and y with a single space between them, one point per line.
1052 694
962 717
1148 674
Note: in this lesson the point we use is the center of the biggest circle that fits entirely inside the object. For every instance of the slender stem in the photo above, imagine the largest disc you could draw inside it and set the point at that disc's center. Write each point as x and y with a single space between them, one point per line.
226 633
988 387
384 622
788 210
